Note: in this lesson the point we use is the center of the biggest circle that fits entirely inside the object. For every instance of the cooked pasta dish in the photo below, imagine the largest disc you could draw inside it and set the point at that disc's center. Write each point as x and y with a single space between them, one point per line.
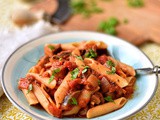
78 79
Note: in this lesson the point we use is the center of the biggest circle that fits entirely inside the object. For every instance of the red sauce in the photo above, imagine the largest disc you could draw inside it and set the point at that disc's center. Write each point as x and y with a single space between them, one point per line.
74 83
24 82
55 111
102 59
70 65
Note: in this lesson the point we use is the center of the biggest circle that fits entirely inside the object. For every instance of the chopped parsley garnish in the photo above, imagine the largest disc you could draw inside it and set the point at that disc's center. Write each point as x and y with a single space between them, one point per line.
91 54
86 8
112 65
135 3
108 26
30 88
53 74
51 47
73 101
85 69
79 57
113 71
108 99
74 73
99 82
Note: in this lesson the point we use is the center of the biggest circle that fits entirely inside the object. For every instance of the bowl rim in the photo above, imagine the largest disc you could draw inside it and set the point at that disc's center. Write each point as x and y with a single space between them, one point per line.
66 32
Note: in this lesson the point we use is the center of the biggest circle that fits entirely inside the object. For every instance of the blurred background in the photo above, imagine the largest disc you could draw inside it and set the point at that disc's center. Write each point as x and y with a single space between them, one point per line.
136 21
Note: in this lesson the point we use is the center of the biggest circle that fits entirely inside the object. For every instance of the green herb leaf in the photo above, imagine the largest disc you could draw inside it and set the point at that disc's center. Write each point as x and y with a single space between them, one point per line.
51 47
108 99
30 87
91 54
135 3
85 69
112 22
110 63
73 101
86 8
99 82
51 78
111 31
108 26
74 73
113 71
53 74
102 25
79 57
56 70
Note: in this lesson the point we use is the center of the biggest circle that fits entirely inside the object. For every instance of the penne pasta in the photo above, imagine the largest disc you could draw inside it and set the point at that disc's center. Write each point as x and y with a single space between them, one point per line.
62 90
70 46
78 79
44 80
31 98
103 71
73 111
106 108
46 104
126 68
85 97
131 80
78 61
99 44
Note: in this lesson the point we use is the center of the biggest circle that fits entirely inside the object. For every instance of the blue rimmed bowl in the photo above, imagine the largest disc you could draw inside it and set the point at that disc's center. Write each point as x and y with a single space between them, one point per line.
27 55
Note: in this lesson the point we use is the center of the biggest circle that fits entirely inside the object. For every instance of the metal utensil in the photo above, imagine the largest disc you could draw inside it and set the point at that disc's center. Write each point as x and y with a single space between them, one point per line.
63 12
154 70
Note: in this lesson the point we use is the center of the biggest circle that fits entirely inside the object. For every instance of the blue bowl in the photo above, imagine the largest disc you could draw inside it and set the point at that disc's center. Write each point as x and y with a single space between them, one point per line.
23 58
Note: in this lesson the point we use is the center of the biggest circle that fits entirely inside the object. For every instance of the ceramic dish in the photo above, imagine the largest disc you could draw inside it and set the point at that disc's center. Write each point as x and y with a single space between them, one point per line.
28 54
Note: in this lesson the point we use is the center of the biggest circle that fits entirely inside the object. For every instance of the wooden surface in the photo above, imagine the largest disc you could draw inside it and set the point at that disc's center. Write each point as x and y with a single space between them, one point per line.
143 23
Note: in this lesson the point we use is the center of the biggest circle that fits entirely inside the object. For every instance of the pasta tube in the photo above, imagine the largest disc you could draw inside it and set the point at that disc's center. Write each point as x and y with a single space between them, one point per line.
45 102
62 90
31 98
74 110
106 108
121 82
44 80
126 68
78 62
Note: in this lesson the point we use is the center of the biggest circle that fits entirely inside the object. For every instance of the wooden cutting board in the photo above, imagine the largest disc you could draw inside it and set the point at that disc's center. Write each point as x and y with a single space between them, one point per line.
143 23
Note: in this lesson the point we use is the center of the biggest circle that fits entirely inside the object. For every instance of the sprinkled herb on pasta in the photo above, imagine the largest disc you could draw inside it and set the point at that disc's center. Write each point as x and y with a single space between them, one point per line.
78 80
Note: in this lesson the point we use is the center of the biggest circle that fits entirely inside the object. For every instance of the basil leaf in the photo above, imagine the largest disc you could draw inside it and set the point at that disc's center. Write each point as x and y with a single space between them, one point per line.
30 87
74 73
53 74
108 99
91 54
85 69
